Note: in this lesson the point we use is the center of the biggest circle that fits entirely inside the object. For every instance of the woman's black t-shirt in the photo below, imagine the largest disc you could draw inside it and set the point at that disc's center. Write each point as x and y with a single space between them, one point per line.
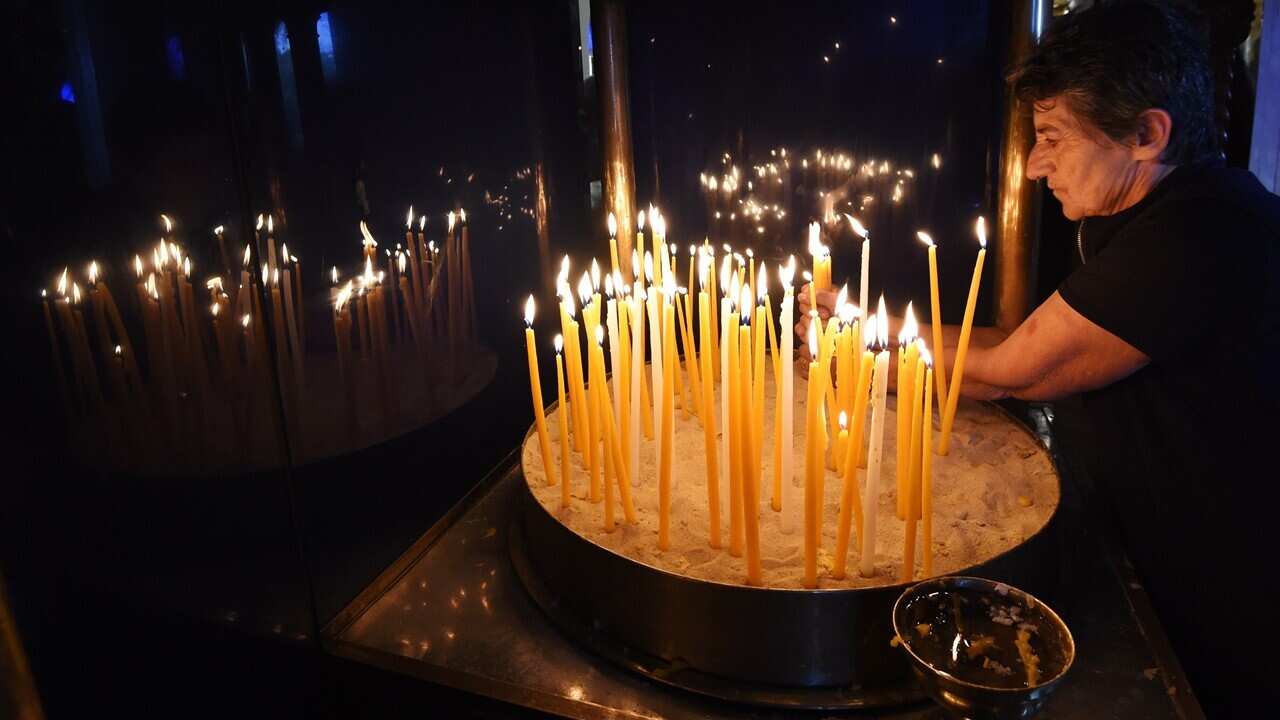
1190 276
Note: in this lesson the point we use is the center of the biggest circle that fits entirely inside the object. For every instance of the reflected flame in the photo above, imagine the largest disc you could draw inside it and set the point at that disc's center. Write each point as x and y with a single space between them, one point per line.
925 355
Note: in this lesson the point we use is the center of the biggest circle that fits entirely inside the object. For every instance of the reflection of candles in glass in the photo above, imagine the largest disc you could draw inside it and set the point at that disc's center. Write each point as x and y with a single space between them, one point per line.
613 244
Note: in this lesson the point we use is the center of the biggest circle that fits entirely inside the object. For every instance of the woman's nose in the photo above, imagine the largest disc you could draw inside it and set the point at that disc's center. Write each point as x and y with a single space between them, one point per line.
1038 164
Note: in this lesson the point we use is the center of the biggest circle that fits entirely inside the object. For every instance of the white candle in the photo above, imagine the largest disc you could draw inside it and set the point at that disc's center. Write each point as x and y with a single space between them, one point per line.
864 280
879 394
790 508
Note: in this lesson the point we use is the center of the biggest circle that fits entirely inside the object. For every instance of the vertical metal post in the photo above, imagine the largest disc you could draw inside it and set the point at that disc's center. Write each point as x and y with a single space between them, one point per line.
1018 214
609 24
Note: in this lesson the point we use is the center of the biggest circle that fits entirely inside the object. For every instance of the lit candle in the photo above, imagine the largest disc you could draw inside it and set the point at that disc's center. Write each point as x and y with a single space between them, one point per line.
590 315
750 438
813 462
613 447
615 357
879 391
638 252
926 468
935 312
656 350
646 407
908 353
729 392
709 417
599 402
851 502
962 349
864 279
821 259
562 412
667 428
637 376
535 388
913 473
785 437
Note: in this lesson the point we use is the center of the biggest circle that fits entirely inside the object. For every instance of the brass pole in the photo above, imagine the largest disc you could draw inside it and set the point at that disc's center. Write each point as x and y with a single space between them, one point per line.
1018 215
609 23
18 696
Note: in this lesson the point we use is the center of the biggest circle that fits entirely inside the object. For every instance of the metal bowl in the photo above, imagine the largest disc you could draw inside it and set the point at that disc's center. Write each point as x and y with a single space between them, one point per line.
966 698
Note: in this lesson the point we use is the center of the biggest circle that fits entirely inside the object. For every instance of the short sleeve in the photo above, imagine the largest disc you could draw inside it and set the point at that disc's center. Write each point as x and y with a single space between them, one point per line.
1170 282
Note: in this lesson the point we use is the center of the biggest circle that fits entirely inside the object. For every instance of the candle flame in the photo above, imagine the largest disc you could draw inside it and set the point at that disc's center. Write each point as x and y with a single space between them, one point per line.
186 266
259 225
119 351
787 273
275 276
368 240
808 276
635 264
284 252
924 238
271 224
93 272
844 420
595 275
925 355
75 292
910 330
452 220
462 214
735 290
816 248
842 297
246 255
640 221
648 266
882 324
137 265
529 308
763 279
848 313
608 286
408 219
344 295
813 334
584 290
693 249
422 224
869 331
62 282
401 262
562 280
558 341
980 229
745 303
600 336
218 230
936 161
659 224
613 226
570 308
333 274
168 224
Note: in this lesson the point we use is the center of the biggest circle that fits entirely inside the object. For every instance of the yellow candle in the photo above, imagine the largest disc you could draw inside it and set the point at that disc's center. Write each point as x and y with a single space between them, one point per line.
562 412
875 451
598 389
733 377
613 449
668 412
935 312
913 482
709 422
908 353
851 499
750 464
594 460
957 377
926 472
535 387
813 463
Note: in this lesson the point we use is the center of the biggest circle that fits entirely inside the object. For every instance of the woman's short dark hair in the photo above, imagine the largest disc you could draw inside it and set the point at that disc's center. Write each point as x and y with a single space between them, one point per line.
1118 59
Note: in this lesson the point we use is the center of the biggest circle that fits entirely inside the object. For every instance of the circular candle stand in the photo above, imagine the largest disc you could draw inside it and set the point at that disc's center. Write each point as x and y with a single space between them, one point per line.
780 647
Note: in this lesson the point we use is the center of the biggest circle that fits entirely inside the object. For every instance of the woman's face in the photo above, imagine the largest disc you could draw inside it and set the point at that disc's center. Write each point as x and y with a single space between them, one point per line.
1089 173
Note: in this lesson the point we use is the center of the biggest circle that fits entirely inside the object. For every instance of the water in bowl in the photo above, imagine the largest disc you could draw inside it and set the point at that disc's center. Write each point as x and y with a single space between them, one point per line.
995 639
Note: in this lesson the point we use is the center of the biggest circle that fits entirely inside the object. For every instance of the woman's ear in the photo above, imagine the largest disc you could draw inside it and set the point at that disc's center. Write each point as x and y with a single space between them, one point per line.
1154 127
